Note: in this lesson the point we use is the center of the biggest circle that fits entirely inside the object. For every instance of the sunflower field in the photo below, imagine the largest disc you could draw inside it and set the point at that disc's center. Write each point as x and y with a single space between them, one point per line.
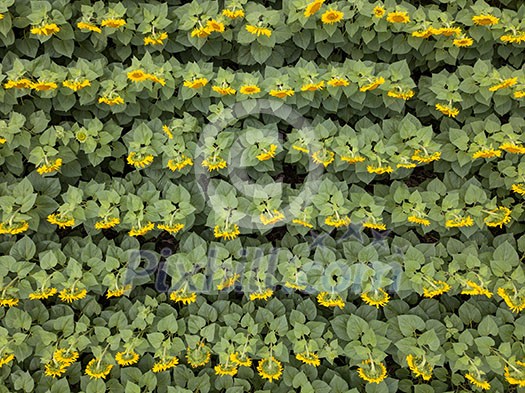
262 196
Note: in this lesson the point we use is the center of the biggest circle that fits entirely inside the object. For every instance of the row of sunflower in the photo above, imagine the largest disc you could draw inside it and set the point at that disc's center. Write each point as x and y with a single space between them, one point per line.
331 208
203 20
514 298
280 83
420 362
342 147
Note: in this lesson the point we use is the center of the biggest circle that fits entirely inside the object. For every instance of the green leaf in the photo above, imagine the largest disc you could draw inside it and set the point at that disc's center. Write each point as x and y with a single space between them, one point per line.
504 259
24 249
408 324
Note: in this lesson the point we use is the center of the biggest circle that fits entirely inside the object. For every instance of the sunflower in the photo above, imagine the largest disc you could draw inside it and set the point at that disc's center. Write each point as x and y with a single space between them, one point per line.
181 162
372 371
9 301
214 163
107 223
226 369
418 220
270 368
5 359
157 79
45 29
485 20
374 225
249 89
425 158
406 165
69 295
509 82
337 81
377 298
137 76
63 221
13 228
18 84
115 100
96 369
165 364
511 147
515 302
515 375
337 221
113 23
214 25
55 369
518 188
323 156
43 293
303 223
435 288
240 359
118 291
223 90
498 217
201 32
477 381
228 282
139 160
403 95
474 289
379 11
126 358
44 86
487 153
447 31
373 84
76 85
172 229
379 169
463 42
267 153
330 300
199 356
447 110
309 358
398 17
142 229
312 86
420 367
427 33
294 285
300 149
65 356
89 26
261 294
183 296
196 83
50 166
281 93
258 31
229 233
156 39
313 7
517 38
332 16
233 13
459 222
271 217
353 159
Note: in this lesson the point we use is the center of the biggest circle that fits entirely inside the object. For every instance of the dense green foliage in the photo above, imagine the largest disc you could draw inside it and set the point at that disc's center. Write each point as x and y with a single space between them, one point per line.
262 196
